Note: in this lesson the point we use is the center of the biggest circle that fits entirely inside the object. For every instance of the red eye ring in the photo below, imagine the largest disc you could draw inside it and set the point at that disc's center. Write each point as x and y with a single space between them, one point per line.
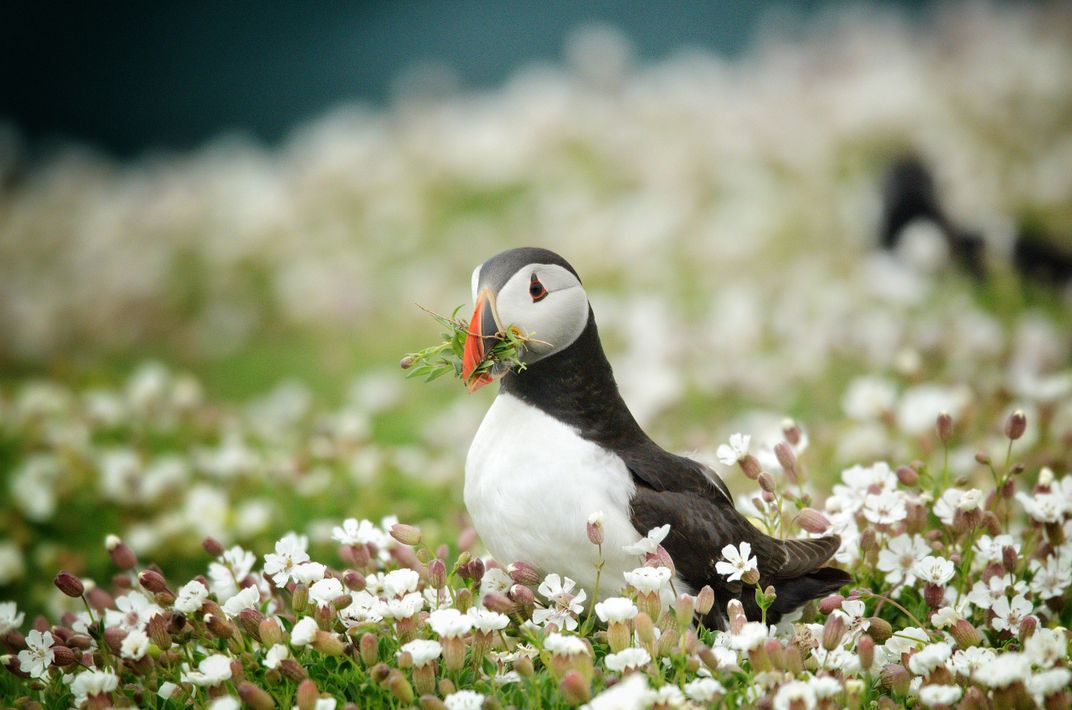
536 289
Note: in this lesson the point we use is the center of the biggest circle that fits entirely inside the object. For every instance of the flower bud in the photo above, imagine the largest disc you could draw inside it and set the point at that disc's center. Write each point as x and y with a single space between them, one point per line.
792 432
786 459
895 677
446 686
81 641
944 427
645 629
406 362
269 632
594 528
69 584
964 633
152 581
1028 627
498 602
833 630
157 630
908 476
212 546
431 702
867 540
292 670
766 482
64 656
1015 425
476 570
113 638
437 574
575 689
811 520
299 599
328 643
750 466
461 565
369 649
974 699
522 596
705 600
736 616
254 697
751 576
406 534
122 556
307 695
219 626
710 660
463 599
523 573
879 629
250 621
524 667
934 595
400 687
830 603
775 653
684 609
865 649
794 661
982 458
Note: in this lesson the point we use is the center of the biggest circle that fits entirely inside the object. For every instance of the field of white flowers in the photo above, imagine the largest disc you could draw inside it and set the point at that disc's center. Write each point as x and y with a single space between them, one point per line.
219 490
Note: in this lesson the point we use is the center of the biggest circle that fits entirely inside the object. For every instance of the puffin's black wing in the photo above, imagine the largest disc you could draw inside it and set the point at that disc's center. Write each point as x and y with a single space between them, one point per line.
679 491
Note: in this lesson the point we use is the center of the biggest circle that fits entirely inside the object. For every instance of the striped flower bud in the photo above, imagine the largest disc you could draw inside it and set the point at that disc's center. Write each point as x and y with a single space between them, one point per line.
1028 627
1016 425
645 628
794 661
328 643
212 546
437 574
766 482
354 580
908 476
879 629
69 584
431 702
113 638
292 670
219 626
751 576
964 633
895 677
369 648
157 630
254 697
786 459
811 520
307 695
463 599
63 656
750 466
269 632
792 432
406 534
944 426
523 573
122 556
736 616
299 599
575 689
830 603
524 667
705 600
498 602
775 653
833 630
865 649
400 687
152 581
683 610
594 528
710 660
934 595
476 570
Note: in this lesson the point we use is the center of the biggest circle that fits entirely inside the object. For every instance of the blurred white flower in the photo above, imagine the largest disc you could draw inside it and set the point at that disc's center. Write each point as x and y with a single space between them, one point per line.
10 617
649 543
647 580
627 659
304 631
274 655
326 591
422 651
135 645
247 598
211 671
616 609
737 449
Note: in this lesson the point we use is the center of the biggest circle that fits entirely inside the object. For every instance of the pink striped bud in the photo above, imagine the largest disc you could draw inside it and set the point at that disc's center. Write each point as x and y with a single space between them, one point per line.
122 556
811 520
786 459
1016 425
255 697
523 573
896 677
152 581
833 630
575 689
830 603
705 600
750 466
594 528
406 534
944 426
69 584
307 695
865 648
437 573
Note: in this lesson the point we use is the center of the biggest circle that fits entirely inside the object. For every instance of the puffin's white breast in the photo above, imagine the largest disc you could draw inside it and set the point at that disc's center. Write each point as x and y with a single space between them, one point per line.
530 484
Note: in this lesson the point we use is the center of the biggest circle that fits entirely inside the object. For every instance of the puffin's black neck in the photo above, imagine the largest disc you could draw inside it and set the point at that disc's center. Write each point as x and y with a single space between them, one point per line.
577 387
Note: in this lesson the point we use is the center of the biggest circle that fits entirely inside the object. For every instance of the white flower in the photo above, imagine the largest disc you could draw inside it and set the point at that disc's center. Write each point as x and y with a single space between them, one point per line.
562 645
647 580
487 621
967 662
751 636
354 532
925 660
167 689
869 398
669 696
984 594
134 611
946 506
38 655
825 686
795 695
290 551
736 563
210 671
971 499
326 591
399 582
1049 682
632 693
907 639
934 570
449 623
304 631
464 700
628 659
225 702
885 508
1044 507
91 683
563 605
190 597
234 565
422 651
945 617
616 609
736 450
275 654
1009 615
495 580
308 572
931 695
135 645
991 549
1004 670
1046 647
704 690
248 598
10 617
404 608
1051 578
649 543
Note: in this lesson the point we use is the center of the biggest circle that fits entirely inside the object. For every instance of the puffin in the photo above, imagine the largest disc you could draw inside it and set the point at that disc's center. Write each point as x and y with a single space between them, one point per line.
559 444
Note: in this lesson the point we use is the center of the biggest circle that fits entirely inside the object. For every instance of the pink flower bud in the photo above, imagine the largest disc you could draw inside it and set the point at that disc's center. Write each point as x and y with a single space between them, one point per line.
705 600
934 595
811 520
879 629
766 482
328 643
751 576
498 602
219 626
369 649
523 573
833 630
113 637
683 610
254 697
750 466
354 580
466 539
645 628
1028 627
64 656
153 581
594 528
786 459
157 630
944 426
575 689
908 476
865 648
522 596
69 584
123 557
269 632
1016 425
775 653
292 670
212 546
476 570
792 432
307 695
895 677
830 603
400 687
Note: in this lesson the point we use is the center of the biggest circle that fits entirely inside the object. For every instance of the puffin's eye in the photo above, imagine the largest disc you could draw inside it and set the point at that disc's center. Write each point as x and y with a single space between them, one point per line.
536 289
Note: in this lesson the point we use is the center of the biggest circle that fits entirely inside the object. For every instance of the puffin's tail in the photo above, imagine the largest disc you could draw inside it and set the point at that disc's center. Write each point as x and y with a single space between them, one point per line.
800 577
797 591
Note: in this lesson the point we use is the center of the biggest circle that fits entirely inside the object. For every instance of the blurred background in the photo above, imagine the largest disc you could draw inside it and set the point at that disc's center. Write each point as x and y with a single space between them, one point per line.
216 222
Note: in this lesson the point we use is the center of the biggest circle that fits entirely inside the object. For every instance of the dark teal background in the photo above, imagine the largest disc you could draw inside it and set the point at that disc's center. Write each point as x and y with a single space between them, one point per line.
131 76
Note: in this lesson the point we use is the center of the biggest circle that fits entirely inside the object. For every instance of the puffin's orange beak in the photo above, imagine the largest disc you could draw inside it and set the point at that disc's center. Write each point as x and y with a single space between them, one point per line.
482 328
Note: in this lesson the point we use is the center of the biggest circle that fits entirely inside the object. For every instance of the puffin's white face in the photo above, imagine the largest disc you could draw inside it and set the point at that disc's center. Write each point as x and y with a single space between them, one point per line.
545 301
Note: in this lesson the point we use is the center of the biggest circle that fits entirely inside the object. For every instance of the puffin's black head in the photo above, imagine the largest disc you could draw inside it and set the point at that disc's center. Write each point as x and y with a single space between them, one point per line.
534 289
